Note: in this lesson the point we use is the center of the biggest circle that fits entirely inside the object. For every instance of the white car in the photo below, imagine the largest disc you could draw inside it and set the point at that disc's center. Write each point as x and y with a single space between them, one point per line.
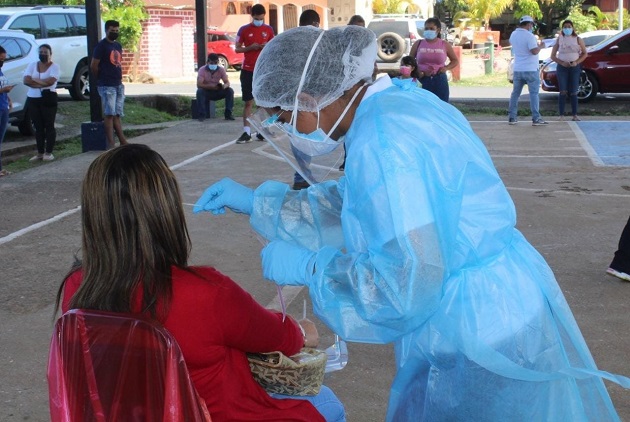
64 28
21 50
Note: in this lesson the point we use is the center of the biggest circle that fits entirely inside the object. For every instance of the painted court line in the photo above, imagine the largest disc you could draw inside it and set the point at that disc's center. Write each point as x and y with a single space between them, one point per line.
39 225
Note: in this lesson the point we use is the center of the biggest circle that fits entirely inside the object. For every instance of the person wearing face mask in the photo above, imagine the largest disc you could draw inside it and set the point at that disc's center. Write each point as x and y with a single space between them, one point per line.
431 54
106 66
210 88
250 40
39 76
416 245
568 51
5 105
409 70
525 48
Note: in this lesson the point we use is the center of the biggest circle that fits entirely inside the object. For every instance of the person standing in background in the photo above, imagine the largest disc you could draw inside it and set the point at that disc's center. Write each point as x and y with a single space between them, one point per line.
525 47
568 52
430 54
620 265
107 69
250 40
5 105
39 76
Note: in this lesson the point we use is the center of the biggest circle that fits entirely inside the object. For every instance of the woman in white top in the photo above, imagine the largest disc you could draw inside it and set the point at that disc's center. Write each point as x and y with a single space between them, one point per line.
41 76
569 51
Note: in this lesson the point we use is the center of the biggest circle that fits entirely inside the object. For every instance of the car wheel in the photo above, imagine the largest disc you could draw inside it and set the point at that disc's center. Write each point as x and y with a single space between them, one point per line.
588 87
26 126
391 46
224 63
80 88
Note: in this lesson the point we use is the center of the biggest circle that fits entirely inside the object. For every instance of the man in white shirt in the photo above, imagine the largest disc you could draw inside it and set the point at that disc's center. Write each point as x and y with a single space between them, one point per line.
525 48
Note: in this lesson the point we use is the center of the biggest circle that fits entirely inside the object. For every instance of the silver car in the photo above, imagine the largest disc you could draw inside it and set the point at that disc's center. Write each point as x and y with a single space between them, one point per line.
21 50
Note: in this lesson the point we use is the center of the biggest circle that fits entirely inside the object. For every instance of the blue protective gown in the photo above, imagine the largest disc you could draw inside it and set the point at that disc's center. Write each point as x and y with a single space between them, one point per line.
417 245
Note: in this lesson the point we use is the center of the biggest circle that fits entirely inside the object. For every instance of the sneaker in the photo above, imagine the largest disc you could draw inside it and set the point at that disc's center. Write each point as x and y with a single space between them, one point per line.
513 121
244 138
37 157
229 117
48 157
260 138
618 274
300 185
539 122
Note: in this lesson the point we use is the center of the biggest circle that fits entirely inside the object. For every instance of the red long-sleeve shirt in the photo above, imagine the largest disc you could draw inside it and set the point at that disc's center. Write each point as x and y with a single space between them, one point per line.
215 322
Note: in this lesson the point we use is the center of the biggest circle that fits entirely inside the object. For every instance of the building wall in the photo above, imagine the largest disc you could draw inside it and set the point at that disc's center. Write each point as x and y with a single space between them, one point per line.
149 58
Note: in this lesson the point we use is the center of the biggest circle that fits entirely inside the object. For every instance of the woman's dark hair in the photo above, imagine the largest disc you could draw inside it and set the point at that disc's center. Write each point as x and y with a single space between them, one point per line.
47 46
574 34
436 22
134 232
2 50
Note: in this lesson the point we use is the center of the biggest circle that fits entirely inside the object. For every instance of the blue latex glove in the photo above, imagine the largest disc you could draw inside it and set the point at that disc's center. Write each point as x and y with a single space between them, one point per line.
226 193
287 264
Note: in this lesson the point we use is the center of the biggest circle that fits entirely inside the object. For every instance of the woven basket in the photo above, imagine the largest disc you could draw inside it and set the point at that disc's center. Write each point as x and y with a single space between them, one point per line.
299 375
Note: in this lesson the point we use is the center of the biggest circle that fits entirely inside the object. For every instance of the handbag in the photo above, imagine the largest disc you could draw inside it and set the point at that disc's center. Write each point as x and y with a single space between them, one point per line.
299 375
49 98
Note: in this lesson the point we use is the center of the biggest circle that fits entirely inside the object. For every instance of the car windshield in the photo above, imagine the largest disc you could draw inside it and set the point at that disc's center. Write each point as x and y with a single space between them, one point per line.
595 40
3 20
609 41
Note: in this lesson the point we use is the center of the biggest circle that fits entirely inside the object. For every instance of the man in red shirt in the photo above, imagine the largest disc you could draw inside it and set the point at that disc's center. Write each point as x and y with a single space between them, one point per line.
250 40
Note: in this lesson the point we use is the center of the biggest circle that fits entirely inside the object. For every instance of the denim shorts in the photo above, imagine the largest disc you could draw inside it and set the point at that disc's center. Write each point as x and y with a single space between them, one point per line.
113 99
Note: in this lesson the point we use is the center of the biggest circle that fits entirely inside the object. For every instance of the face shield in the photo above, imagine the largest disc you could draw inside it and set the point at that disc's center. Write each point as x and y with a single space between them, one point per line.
307 69
316 161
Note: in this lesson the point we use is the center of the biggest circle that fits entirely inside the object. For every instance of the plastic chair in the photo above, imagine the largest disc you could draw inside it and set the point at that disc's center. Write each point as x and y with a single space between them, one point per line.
106 366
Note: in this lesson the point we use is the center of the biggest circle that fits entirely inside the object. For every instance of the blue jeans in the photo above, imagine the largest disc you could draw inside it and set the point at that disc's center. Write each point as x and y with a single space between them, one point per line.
437 84
4 121
533 85
206 95
113 99
568 83
326 403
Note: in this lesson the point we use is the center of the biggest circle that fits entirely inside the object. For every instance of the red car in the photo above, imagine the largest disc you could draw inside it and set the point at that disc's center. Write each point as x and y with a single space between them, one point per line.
605 70
223 44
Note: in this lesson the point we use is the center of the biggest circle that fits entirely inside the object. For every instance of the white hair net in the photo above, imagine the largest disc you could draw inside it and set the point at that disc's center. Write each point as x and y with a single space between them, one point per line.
318 65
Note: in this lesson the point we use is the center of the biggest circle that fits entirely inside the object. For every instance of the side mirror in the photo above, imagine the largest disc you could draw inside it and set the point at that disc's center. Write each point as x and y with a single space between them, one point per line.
613 50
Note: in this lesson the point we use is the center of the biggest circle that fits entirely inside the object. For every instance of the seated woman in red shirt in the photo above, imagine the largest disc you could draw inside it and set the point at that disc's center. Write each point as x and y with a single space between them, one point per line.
135 259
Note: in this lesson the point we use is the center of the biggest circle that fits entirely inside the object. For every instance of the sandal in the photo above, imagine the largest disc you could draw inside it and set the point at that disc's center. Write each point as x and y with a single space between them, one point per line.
576 119
4 173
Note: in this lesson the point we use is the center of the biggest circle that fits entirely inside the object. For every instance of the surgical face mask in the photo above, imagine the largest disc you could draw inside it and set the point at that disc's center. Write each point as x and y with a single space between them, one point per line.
317 142
43 58
430 34
258 22
567 31
112 36
531 29
405 70
213 67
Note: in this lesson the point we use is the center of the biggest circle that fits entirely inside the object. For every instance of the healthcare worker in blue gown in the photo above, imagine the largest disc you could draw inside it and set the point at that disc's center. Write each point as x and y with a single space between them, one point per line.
416 244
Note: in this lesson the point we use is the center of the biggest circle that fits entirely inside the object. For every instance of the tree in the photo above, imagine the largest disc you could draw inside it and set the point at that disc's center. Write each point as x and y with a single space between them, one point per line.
484 10
388 6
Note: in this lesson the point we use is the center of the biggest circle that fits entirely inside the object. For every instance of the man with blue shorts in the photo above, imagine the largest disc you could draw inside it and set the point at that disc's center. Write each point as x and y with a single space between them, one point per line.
106 66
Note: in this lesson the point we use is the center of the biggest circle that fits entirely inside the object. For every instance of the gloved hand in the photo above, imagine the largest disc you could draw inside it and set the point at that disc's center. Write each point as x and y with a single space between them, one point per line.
226 193
287 264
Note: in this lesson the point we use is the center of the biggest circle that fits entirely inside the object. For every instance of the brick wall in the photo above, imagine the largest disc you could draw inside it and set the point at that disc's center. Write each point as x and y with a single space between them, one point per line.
148 56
